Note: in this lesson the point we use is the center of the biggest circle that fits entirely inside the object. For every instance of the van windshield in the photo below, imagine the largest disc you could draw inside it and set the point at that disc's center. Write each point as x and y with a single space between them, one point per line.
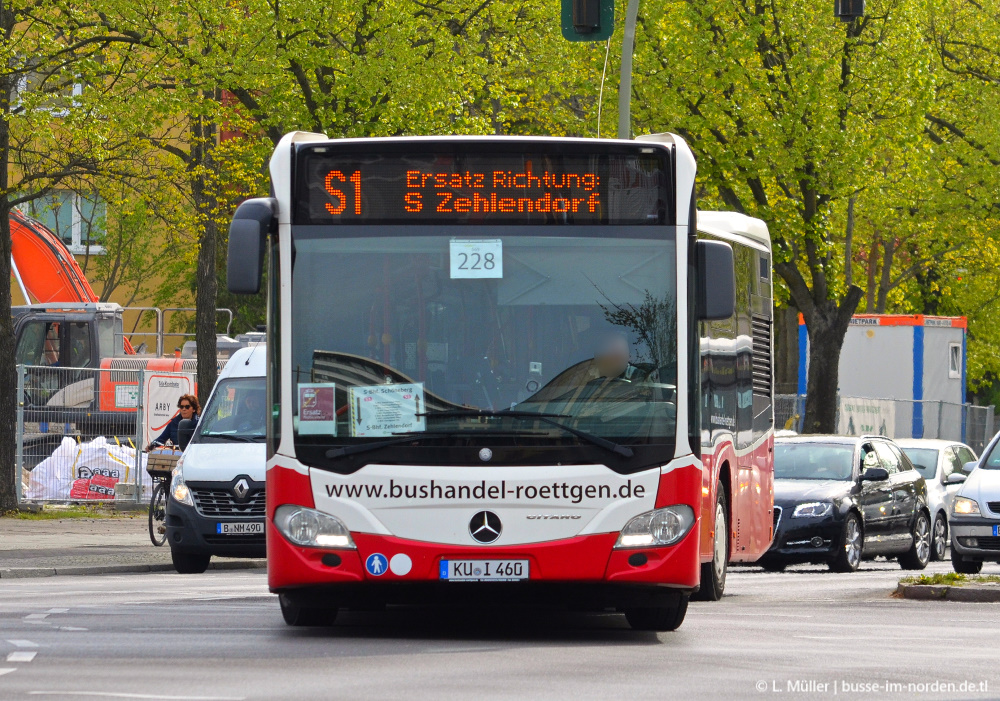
236 411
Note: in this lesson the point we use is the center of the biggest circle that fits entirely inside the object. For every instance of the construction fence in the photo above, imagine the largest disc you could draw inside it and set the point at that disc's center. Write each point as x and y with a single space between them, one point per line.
81 431
897 418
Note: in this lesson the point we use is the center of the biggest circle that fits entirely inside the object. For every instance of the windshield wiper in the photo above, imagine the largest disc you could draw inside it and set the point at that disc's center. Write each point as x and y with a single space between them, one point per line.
233 437
615 448
345 450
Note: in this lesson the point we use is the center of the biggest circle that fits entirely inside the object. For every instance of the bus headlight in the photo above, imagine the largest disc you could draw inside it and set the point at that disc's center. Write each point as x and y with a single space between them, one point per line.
663 526
311 528
178 489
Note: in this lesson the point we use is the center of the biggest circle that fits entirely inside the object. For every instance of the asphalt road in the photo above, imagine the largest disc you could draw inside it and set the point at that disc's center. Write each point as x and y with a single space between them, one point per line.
220 636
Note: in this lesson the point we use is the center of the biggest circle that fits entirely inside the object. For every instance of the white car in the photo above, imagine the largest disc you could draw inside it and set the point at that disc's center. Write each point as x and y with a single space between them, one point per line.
937 460
975 514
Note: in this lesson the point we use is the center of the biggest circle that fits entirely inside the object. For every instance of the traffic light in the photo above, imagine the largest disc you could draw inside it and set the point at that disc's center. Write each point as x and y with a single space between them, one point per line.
588 20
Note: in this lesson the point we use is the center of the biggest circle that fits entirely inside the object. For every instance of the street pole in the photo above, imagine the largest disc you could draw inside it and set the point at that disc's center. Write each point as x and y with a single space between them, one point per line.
625 83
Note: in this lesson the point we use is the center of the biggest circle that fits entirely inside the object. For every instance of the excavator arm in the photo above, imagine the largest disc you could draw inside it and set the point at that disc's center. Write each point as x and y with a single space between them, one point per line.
43 264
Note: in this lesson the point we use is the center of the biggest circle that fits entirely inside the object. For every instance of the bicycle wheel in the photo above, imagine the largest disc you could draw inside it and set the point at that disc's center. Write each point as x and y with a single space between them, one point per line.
158 514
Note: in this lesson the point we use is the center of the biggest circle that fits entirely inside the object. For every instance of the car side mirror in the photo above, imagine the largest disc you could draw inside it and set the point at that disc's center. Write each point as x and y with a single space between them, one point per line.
969 466
253 221
185 430
716 284
875 474
956 478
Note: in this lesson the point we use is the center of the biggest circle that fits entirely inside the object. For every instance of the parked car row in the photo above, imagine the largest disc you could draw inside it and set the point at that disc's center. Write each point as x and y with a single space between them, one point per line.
839 500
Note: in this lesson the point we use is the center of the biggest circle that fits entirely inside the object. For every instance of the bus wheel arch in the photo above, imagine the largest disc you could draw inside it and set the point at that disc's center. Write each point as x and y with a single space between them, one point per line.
713 572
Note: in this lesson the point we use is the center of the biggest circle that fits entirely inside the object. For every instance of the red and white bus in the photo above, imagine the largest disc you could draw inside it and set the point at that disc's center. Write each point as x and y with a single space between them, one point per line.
525 368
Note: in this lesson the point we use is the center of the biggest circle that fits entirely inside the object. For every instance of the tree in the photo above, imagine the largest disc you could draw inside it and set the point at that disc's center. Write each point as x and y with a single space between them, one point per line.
790 114
55 125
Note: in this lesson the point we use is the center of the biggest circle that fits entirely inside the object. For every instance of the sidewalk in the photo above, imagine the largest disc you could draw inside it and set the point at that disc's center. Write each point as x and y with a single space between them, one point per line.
44 548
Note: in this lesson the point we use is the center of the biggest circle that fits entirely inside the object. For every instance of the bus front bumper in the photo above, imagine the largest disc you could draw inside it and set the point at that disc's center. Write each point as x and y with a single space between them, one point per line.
587 565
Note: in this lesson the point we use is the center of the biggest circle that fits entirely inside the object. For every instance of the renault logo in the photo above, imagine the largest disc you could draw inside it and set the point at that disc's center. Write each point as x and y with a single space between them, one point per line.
485 527
241 488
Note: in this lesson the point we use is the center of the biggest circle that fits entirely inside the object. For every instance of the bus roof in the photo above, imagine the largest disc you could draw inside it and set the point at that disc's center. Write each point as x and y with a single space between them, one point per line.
723 223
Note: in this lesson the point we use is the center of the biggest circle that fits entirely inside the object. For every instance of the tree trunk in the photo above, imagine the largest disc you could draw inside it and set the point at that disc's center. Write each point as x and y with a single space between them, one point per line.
8 380
826 323
202 151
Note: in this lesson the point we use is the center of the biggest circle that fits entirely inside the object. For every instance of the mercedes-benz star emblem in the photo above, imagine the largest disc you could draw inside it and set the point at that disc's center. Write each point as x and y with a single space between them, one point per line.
241 488
485 454
485 527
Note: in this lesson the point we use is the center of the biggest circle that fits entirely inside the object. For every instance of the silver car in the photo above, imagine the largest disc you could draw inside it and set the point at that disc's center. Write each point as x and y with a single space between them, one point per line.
975 514
937 460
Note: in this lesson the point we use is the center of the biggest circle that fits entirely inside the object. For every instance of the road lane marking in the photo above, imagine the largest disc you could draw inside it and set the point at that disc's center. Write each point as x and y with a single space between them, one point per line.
22 643
21 656
73 629
125 695
7 670
58 610
36 616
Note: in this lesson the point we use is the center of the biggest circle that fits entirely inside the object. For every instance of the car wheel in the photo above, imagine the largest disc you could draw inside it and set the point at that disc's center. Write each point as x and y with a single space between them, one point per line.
963 566
939 541
847 557
658 618
713 574
189 563
917 557
297 615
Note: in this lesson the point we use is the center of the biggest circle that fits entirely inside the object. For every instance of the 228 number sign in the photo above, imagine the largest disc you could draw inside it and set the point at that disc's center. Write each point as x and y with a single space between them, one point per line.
476 258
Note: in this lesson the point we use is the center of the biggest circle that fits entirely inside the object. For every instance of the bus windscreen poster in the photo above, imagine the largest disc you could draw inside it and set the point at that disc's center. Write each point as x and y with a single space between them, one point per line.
475 188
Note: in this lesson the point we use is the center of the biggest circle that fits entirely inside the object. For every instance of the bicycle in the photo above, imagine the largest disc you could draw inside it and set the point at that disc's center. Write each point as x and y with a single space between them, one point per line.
159 465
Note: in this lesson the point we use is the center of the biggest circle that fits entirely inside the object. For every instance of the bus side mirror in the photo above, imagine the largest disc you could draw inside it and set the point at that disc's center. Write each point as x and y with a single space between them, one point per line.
716 283
185 430
248 232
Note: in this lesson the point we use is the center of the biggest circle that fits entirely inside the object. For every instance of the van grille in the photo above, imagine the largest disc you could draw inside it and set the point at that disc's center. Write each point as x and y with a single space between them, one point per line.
220 502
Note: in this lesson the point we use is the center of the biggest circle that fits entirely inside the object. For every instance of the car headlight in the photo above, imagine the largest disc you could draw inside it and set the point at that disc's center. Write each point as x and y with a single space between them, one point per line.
964 506
178 489
311 528
663 526
812 509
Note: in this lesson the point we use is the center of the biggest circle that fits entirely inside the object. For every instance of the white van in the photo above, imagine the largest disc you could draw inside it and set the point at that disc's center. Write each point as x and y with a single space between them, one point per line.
216 504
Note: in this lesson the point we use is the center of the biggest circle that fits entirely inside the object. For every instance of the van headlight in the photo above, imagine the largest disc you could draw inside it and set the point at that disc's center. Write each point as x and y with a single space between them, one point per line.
311 528
178 489
663 526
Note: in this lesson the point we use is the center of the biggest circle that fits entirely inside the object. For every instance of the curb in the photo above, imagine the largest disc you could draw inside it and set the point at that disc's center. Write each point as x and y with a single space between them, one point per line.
941 592
32 572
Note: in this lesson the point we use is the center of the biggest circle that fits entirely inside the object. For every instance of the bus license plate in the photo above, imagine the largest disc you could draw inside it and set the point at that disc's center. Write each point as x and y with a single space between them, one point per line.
484 570
239 528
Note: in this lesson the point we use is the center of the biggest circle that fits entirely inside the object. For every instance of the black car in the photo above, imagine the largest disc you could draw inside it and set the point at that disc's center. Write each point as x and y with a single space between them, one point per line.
839 499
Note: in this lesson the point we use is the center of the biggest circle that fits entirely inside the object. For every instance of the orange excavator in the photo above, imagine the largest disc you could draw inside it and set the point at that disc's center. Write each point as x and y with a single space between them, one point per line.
64 334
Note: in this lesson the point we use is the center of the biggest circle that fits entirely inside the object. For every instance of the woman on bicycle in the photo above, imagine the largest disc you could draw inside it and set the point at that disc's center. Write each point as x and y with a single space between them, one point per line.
189 408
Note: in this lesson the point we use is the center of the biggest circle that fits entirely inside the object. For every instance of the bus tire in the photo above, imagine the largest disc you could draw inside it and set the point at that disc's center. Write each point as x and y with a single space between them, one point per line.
658 618
189 563
713 573
298 615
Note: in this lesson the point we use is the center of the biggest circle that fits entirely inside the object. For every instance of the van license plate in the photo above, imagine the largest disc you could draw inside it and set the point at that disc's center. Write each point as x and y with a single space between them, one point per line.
239 528
484 570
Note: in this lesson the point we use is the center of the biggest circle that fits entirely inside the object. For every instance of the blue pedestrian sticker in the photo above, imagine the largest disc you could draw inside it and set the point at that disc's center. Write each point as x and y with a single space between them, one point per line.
376 564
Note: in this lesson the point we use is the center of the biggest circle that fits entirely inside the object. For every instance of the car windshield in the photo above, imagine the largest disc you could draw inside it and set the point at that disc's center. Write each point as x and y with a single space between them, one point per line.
992 461
924 459
813 461
394 335
236 411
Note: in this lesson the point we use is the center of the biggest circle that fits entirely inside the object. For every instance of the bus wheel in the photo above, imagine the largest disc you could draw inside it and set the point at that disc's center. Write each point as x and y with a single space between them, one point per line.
296 615
657 617
713 574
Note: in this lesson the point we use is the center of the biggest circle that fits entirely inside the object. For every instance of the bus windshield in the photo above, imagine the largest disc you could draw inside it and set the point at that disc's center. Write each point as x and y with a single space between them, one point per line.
467 332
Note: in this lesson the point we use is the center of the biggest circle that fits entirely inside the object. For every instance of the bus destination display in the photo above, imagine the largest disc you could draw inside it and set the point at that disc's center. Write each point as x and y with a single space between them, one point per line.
475 188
